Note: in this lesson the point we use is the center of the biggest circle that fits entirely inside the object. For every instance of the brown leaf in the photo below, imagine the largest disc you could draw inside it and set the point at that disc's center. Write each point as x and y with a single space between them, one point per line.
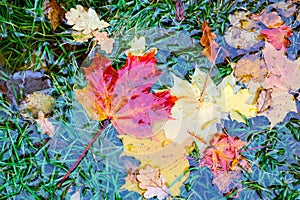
250 67
45 125
54 12
207 40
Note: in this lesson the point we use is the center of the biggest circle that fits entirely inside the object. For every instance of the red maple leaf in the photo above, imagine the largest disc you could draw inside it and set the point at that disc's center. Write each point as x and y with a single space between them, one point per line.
278 37
223 154
124 95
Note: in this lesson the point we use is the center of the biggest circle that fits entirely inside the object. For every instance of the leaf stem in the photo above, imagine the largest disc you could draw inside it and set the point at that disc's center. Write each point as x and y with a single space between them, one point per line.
83 153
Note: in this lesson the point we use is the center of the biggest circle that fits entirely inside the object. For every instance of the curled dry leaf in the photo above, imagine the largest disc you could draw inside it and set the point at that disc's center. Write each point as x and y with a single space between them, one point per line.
151 180
83 21
278 37
54 12
251 67
45 125
104 41
207 41
269 19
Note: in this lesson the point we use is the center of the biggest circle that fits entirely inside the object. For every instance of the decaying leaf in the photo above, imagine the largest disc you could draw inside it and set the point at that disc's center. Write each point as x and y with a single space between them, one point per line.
269 19
45 125
85 21
161 152
244 33
207 41
25 83
104 41
124 95
151 180
37 102
54 12
223 154
278 37
250 67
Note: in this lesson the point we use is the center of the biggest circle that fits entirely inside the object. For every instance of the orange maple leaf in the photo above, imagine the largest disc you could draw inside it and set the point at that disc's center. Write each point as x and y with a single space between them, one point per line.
207 40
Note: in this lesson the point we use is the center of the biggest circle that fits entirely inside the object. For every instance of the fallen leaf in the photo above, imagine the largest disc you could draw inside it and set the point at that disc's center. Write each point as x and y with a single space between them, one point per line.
269 19
179 11
25 83
45 125
278 37
190 114
102 39
244 33
151 180
75 196
207 41
227 180
283 78
80 37
85 21
124 95
250 67
223 154
54 12
235 103
162 152
287 9
37 102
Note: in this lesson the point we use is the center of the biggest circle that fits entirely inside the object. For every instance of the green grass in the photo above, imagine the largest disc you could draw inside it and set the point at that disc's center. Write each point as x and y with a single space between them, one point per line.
31 164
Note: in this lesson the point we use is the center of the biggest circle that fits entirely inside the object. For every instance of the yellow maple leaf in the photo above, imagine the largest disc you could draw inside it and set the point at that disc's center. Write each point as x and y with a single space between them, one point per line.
190 113
235 103
159 152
